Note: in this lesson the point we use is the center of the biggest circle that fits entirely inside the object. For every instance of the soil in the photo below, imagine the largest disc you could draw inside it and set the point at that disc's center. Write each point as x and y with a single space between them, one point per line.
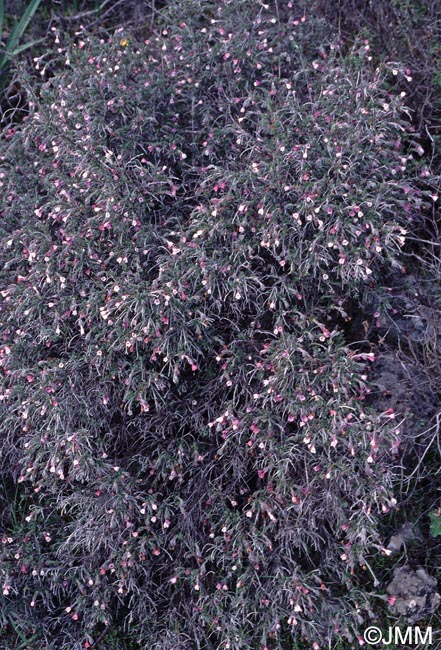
413 594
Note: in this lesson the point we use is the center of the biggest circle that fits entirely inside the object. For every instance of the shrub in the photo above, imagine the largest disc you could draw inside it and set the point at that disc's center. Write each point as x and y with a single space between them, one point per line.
183 222
409 31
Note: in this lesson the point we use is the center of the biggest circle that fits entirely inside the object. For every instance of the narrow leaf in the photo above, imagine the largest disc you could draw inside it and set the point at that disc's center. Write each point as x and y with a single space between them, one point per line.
25 46
26 642
20 27
2 16
435 524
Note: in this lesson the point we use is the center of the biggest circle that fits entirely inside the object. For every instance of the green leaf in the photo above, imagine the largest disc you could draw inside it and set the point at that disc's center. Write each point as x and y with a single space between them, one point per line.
435 524
26 642
2 16
20 27
25 46
3 60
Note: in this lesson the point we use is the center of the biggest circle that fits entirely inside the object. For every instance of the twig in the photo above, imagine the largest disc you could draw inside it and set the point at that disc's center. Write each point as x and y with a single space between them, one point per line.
83 14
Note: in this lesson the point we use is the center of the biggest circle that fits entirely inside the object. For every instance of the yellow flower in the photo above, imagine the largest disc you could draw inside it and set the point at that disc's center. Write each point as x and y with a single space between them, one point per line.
124 42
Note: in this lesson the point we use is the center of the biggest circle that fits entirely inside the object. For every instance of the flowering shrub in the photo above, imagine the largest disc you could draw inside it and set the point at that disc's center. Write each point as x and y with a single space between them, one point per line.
406 30
183 221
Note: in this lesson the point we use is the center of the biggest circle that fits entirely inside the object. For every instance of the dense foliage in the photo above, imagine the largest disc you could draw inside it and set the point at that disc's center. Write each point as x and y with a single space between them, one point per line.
184 221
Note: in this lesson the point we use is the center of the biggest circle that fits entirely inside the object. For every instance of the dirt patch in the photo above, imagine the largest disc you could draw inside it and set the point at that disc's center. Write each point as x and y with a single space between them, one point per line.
413 594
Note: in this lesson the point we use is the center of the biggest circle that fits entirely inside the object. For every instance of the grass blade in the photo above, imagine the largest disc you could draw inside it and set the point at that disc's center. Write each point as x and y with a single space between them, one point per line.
2 16
25 46
26 642
20 27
